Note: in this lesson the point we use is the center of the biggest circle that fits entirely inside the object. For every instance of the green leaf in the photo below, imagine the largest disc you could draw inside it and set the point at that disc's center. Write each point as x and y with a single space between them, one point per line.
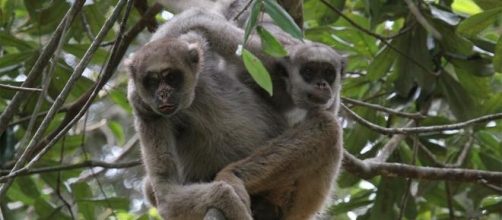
28 186
461 103
45 15
317 14
257 71
9 40
270 44
79 50
117 131
16 193
488 4
80 192
282 18
451 40
407 72
465 7
253 18
114 203
47 211
471 26
497 59
119 97
389 193
381 64
358 200
14 59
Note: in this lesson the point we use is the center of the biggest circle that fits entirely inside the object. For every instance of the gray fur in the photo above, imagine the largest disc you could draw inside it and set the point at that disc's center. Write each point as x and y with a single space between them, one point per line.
225 122
317 134
307 157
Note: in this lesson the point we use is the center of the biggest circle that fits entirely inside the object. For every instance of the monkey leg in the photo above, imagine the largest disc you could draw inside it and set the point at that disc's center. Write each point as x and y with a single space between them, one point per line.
190 202
294 158
148 192
311 192
311 144
214 214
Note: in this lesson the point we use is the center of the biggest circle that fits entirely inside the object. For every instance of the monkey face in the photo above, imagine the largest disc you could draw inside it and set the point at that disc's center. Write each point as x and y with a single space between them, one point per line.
314 75
313 85
165 74
164 87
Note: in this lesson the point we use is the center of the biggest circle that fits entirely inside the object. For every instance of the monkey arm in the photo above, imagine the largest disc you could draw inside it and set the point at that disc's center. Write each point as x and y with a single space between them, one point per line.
223 36
222 6
313 144
174 199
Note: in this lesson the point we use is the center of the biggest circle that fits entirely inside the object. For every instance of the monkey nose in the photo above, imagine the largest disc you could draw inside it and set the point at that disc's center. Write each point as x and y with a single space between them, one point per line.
164 94
321 85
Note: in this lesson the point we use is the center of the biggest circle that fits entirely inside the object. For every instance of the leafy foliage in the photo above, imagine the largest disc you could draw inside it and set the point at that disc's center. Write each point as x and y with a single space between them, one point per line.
394 61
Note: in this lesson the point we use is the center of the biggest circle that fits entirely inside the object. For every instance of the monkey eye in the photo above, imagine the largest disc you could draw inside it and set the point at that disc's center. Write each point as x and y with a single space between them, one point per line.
329 76
307 74
174 78
150 81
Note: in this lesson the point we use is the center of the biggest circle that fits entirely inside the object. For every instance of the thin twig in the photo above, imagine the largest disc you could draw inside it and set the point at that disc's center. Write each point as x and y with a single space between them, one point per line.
86 157
243 10
382 39
460 160
64 93
409 181
368 169
81 165
430 155
383 109
40 114
58 182
421 19
38 67
497 189
449 198
463 154
78 108
404 30
128 147
20 88
117 42
423 129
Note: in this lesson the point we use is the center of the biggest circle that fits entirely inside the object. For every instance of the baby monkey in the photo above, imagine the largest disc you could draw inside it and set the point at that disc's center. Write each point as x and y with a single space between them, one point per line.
296 170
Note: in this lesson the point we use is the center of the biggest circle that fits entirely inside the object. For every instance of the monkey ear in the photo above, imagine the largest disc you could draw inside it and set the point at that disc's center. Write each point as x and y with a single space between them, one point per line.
128 62
343 63
193 53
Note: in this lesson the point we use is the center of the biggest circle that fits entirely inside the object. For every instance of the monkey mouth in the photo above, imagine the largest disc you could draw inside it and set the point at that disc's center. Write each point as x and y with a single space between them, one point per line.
167 108
317 99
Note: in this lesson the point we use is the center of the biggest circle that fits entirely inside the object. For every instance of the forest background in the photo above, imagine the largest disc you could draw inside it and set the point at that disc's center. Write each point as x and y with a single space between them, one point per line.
422 106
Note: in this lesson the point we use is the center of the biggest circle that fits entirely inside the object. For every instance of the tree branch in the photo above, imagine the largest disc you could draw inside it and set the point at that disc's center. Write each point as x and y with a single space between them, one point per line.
39 65
382 39
82 165
383 109
63 95
423 129
422 20
367 169
127 149
20 88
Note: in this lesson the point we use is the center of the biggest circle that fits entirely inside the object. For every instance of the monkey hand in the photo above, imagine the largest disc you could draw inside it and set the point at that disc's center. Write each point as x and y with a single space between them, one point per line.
193 201
194 19
226 175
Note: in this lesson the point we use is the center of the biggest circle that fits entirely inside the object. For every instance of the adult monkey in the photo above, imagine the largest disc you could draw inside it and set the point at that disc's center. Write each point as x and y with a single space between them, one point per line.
190 117
312 82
